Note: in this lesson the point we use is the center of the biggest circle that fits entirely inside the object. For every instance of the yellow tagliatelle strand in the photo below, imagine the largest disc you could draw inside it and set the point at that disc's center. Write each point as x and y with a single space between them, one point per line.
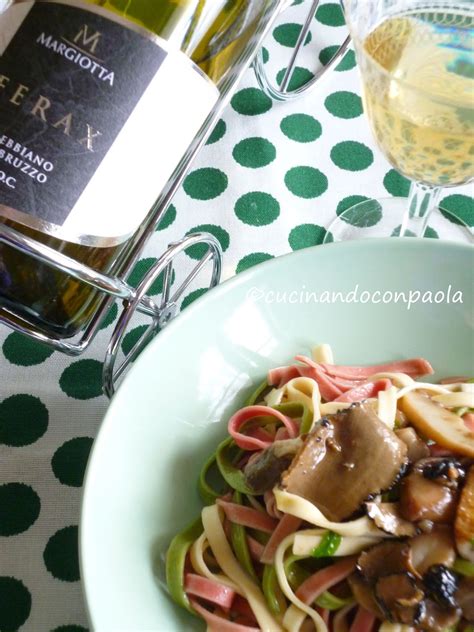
387 406
196 555
214 531
398 379
302 508
292 617
304 390
306 541
323 354
422 386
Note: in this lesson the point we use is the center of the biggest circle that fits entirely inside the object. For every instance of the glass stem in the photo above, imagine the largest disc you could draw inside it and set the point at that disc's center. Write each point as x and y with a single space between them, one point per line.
422 199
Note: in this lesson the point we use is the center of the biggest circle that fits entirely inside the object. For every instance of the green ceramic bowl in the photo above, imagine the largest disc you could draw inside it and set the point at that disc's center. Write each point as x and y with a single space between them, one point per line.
172 408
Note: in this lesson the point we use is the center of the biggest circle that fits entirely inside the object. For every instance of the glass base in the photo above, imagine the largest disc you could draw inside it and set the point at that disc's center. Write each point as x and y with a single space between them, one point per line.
383 218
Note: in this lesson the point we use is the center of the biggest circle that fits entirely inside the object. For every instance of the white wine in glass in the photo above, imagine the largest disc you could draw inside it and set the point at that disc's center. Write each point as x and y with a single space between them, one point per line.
416 61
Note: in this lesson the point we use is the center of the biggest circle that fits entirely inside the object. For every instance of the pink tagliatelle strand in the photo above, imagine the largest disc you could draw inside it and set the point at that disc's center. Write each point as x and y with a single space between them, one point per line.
287 525
209 590
324 579
363 621
364 391
255 548
414 367
257 441
216 623
248 517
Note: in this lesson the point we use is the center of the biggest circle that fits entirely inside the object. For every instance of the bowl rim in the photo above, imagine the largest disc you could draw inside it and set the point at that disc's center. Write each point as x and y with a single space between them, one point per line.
222 289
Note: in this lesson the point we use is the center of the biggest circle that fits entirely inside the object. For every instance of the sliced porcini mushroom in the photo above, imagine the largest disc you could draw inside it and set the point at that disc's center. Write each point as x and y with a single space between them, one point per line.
417 448
465 598
441 585
364 594
443 470
437 619
424 499
348 458
464 522
388 518
435 422
429 549
400 599
387 558
264 472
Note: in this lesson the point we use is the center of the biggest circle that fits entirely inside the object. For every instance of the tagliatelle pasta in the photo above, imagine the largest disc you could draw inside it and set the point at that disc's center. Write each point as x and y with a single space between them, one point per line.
318 503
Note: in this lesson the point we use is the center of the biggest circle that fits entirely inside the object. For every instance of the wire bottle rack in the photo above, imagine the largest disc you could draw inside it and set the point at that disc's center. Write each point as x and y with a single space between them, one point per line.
136 299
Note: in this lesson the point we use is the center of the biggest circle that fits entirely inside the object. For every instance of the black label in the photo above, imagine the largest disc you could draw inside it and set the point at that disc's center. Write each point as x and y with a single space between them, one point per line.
69 80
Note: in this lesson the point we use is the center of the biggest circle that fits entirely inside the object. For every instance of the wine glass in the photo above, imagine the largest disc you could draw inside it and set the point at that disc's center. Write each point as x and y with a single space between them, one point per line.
416 60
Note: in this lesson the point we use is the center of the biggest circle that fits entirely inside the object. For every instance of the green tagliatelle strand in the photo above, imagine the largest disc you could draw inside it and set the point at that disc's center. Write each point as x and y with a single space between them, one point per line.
328 545
330 602
238 536
208 494
225 462
256 396
272 591
175 560
295 573
297 410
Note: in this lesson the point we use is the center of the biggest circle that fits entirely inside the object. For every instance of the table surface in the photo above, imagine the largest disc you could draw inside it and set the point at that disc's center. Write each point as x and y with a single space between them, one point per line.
269 181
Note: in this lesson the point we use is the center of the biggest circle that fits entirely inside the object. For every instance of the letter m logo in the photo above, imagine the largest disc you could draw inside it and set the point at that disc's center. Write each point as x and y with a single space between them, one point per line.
87 39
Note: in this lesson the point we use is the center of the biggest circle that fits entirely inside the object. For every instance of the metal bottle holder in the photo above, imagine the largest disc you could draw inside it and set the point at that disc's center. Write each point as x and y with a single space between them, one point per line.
136 299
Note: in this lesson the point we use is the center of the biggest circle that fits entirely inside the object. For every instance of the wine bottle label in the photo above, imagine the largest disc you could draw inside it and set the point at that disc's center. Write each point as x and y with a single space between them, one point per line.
95 114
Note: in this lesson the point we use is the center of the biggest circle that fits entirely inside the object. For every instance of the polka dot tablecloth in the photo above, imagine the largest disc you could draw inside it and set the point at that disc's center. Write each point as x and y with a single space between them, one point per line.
270 180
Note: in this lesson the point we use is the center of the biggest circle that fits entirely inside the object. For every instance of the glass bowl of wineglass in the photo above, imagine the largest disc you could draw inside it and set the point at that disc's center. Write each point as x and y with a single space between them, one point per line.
416 60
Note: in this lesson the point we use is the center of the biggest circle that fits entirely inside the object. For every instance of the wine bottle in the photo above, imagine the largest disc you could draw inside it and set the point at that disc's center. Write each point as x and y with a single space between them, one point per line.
99 102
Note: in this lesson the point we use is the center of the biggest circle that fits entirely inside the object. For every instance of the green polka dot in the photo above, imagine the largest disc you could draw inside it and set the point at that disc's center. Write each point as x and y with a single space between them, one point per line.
168 218
265 55
193 296
131 339
347 62
254 152
352 156
251 102
23 420
371 216
300 77
70 460
430 233
70 628
257 208
302 128
460 205
287 34
306 182
344 104
306 235
110 316
206 183
15 604
251 260
61 555
141 269
19 508
330 14
199 250
217 133
23 351
350 200
396 184
82 379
